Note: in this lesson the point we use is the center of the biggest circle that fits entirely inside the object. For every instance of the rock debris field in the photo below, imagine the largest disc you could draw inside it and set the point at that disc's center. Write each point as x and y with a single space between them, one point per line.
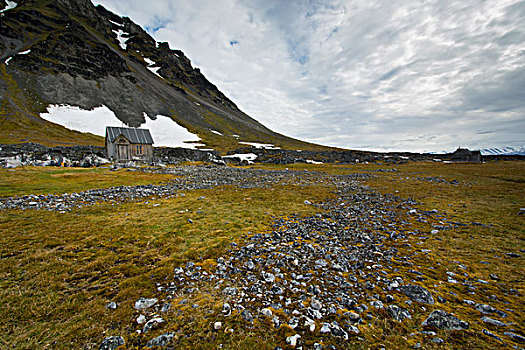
316 281
185 178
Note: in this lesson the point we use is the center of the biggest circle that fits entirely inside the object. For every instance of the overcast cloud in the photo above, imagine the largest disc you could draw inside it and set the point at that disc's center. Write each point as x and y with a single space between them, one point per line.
375 75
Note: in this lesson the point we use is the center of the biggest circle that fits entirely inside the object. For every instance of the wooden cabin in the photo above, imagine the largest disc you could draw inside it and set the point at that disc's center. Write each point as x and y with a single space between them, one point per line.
125 144
465 155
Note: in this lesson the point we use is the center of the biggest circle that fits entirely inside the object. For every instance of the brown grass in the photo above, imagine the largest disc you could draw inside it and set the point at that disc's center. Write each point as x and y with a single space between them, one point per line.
57 271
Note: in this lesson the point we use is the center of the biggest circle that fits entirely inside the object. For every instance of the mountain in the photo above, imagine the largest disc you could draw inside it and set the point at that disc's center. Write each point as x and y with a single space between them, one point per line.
503 151
69 52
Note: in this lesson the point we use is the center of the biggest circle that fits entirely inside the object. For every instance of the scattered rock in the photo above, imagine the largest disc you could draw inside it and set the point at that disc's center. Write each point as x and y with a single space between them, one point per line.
398 313
292 340
217 326
144 303
515 337
141 319
111 343
267 312
111 305
247 316
493 322
417 293
490 334
153 323
161 340
442 320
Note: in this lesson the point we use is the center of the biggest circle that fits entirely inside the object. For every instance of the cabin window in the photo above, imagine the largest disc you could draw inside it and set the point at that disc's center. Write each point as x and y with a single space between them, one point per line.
138 149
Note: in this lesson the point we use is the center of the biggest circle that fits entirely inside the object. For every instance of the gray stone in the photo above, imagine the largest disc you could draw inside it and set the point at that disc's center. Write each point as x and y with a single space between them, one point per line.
398 313
226 309
111 305
144 303
165 307
266 312
417 293
217 326
141 319
490 334
247 316
111 343
352 316
441 320
230 291
485 309
154 322
161 340
325 328
292 340
377 304
316 304
515 337
493 322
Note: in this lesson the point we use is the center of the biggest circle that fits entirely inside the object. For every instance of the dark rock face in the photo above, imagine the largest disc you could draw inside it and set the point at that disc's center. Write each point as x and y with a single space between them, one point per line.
441 320
74 57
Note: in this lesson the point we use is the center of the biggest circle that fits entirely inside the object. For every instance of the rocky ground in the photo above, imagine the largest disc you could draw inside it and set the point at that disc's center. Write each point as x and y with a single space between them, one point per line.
318 282
185 178
320 279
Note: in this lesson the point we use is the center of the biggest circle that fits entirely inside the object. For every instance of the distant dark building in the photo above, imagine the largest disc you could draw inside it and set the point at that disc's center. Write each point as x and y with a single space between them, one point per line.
125 144
465 155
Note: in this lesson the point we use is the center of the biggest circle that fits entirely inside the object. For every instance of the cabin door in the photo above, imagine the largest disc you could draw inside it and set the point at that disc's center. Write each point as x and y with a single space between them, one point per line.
123 152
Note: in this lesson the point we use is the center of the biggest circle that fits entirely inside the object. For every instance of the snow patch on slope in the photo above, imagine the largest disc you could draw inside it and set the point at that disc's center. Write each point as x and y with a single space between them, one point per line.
260 145
165 131
121 39
247 157
151 63
154 70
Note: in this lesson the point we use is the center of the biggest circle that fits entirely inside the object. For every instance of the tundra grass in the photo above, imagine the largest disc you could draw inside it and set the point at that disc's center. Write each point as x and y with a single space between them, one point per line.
52 180
57 271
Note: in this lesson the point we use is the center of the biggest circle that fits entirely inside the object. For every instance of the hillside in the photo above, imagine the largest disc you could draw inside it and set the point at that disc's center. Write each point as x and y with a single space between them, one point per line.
73 53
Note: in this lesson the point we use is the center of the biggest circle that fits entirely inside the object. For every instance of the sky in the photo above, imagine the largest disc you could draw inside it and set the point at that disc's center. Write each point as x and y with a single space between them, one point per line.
379 75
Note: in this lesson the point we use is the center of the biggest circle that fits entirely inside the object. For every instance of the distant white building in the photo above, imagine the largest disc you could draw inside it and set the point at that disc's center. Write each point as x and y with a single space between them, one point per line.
125 144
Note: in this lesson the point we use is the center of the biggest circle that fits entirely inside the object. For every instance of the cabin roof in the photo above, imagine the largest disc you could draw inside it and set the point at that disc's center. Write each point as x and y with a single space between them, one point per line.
132 134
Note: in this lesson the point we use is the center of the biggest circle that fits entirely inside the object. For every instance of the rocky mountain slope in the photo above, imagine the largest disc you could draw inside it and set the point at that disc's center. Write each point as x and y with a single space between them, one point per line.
71 52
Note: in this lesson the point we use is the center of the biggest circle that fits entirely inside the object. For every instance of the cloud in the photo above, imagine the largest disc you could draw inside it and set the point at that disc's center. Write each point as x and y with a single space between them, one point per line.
383 75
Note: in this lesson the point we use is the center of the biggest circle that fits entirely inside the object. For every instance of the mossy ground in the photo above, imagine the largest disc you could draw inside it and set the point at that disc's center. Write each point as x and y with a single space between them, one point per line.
57 271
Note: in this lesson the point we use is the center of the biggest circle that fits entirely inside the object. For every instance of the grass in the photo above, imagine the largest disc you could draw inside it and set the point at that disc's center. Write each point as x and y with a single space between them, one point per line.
57 271
64 267
44 180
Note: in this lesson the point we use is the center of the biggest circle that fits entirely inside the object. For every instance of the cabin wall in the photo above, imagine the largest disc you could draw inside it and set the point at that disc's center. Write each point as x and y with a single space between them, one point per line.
111 150
141 151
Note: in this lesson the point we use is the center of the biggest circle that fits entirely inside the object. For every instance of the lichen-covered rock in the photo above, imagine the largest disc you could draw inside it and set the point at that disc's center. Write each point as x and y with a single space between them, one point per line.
111 343
417 293
442 320
144 303
161 340
398 313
